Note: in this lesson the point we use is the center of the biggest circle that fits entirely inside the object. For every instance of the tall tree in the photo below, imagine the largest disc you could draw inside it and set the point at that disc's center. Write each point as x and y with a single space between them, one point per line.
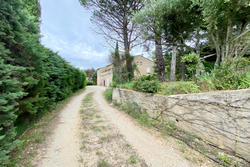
151 29
177 19
90 73
227 23
119 74
180 20
114 20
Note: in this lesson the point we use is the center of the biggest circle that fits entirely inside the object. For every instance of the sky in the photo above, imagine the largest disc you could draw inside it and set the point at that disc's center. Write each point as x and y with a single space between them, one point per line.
66 29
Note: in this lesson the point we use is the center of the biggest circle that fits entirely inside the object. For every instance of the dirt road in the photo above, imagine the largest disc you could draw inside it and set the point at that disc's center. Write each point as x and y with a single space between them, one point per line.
98 136
64 147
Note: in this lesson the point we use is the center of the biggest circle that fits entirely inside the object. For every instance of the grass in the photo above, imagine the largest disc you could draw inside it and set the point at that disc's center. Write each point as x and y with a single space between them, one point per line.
135 111
128 85
24 123
183 148
105 138
80 160
103 163
99 153
225 158
34 133
98 116
84 140
108 94
170 88
87 99
179 87
86 114
98 121
96 128
132 159
224 78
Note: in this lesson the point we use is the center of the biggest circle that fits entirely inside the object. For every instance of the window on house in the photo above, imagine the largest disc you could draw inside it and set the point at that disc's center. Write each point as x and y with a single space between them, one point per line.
148 70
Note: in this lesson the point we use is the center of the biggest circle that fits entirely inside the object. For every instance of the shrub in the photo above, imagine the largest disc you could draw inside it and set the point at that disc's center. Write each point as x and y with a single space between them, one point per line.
245 81
108 94
205 82
147 83
179 88
188 87
192 61
232 74
89 83
128 85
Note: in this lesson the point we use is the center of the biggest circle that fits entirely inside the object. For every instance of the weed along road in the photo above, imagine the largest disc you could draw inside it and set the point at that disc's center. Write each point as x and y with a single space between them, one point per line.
93 133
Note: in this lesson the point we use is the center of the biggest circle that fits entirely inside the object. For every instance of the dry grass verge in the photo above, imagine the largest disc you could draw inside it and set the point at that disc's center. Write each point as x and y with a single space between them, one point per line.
33 140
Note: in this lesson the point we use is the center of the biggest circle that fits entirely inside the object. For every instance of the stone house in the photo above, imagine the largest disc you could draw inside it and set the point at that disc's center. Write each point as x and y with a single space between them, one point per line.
144 67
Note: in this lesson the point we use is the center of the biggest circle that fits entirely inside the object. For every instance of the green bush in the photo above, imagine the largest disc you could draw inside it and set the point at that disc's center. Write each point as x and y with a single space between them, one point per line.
179 88
191 61
245 81
232 74
108 94
188 87
128 85
89 83
147 83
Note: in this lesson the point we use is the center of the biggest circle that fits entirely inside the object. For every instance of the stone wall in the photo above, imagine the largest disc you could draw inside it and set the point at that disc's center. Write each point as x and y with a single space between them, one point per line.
222 118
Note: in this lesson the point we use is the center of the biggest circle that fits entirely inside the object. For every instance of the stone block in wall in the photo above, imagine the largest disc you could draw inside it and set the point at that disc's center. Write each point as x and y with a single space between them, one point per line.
222 118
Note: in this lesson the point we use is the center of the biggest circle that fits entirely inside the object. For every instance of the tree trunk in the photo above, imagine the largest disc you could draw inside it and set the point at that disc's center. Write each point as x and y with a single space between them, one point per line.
127 51
160 63
173 64
199 71
218 49
183 72
228 40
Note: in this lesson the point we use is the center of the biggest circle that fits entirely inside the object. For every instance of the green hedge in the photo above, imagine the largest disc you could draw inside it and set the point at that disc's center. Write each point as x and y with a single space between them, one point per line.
32 78
146 83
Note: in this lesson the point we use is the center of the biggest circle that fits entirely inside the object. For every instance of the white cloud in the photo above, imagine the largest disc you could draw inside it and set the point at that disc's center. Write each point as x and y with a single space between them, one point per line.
77 53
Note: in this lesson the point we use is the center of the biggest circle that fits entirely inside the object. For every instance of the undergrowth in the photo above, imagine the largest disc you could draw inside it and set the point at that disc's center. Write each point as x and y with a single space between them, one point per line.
179 87
230 75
